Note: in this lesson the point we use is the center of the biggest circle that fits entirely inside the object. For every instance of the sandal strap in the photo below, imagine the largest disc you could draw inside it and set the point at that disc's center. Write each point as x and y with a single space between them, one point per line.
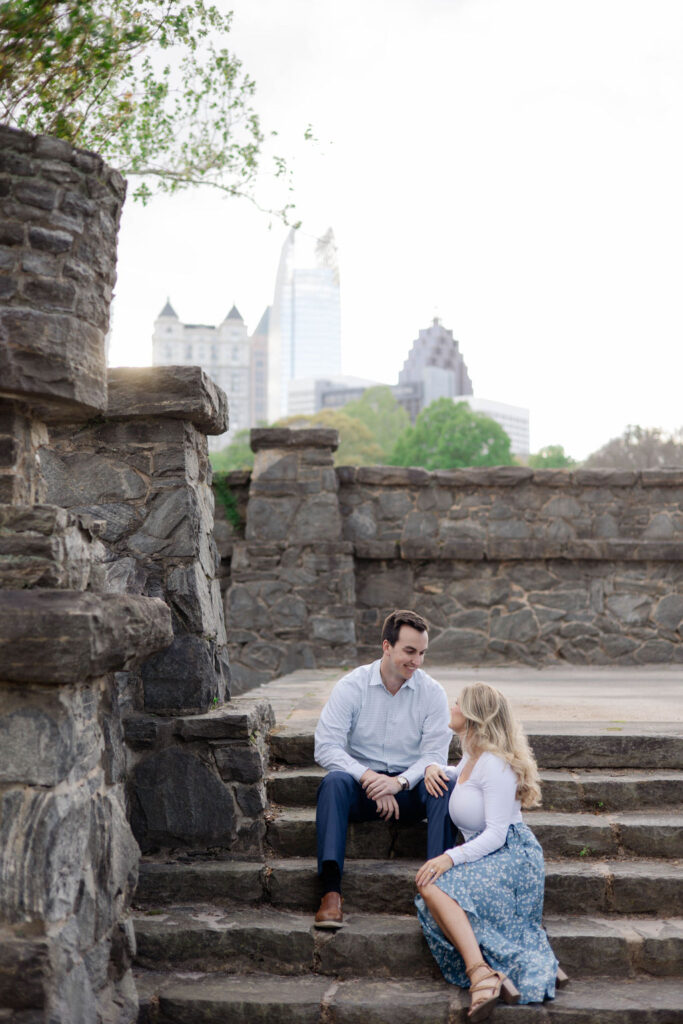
475 967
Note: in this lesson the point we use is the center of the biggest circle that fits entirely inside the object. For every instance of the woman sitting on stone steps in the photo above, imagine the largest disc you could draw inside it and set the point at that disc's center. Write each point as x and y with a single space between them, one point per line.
480 904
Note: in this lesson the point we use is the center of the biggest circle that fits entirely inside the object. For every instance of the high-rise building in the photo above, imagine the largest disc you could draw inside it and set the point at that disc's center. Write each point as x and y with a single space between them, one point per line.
223 352
258 380
436 363
304 335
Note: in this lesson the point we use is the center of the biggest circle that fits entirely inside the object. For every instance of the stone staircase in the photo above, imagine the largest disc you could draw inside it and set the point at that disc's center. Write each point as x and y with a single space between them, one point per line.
227 941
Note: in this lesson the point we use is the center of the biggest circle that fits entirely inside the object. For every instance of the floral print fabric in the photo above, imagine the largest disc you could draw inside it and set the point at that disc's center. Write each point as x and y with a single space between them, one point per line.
502 894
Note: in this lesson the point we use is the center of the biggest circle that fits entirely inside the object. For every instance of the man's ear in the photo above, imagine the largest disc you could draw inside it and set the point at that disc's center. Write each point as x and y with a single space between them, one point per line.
386 646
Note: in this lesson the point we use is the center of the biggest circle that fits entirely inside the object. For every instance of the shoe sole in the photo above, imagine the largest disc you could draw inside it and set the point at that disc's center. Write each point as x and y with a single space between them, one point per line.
329 925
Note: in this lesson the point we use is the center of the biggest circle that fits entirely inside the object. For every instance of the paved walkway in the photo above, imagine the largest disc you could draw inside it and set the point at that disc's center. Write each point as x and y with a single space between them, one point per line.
593 699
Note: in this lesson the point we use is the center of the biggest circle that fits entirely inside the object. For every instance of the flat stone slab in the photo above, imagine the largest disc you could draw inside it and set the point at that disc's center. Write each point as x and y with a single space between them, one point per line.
265 998
562 790
276 999
62 636
236 940
591 887
237 720
160 883
177 392
291 833
580 746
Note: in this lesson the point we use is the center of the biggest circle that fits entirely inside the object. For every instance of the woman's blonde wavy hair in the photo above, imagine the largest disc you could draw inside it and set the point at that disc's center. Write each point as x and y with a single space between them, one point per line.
491 726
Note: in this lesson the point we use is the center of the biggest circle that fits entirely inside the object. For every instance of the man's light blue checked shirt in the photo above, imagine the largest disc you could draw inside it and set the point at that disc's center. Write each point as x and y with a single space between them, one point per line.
362 726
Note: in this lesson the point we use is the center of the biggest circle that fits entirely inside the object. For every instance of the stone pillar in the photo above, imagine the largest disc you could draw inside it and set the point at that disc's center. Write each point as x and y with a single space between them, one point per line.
143 469
59 215
68 859
291 600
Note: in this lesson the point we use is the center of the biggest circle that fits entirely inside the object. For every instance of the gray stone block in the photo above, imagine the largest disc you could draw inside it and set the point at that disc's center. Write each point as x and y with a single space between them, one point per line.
175 392
669 612
177 800
57 636
239 763
264 438
462 645
185 676
25 971
52 357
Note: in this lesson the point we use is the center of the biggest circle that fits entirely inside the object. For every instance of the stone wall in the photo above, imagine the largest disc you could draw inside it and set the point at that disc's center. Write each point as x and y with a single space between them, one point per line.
111 620
507 564
68 859
142 468
195 767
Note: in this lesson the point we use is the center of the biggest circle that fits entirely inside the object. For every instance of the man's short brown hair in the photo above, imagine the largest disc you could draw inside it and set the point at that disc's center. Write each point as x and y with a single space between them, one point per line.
401 617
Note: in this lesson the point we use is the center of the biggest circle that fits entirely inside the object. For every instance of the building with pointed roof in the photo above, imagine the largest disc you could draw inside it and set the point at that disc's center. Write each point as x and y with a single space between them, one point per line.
436 363
223 352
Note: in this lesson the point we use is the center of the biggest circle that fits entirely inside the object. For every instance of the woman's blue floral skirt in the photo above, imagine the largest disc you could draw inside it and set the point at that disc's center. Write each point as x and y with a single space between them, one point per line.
503 896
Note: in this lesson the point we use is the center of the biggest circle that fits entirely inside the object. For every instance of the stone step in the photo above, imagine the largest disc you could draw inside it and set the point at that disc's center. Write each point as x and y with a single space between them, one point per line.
240 940
246 999
291 833
572 886
597 790
579 746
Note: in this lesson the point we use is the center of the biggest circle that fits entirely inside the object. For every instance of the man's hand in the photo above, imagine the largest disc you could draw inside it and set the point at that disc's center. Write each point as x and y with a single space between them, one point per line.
387 807
436 780
376 785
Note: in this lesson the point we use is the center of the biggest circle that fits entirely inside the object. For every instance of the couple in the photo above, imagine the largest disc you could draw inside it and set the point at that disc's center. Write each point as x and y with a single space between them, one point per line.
383 736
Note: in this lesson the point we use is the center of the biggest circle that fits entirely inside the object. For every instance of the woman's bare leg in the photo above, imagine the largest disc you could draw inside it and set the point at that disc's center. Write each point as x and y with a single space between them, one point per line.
454 923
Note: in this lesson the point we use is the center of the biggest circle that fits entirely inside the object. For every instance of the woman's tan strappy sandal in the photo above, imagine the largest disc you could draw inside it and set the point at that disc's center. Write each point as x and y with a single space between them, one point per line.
485 993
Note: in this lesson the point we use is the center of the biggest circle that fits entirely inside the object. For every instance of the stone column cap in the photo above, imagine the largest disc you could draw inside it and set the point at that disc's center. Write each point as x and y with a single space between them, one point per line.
177 392
287 437
62 636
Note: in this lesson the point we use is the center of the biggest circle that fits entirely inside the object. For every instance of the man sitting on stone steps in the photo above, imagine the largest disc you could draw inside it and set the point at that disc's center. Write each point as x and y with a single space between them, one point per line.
383 724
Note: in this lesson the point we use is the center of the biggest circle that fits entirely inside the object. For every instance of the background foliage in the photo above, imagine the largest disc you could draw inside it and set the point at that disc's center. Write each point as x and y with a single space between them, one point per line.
448 435
148 84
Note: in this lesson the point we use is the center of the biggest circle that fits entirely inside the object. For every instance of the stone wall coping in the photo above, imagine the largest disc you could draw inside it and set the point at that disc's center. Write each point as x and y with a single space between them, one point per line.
506 476
286 437
175 392
62 636
50 148
511 550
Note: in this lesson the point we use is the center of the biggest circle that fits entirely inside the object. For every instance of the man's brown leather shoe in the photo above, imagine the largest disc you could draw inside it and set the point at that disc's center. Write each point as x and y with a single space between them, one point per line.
330 911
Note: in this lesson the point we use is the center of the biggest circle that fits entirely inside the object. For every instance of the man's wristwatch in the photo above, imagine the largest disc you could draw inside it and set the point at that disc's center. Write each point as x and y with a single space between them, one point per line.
403 782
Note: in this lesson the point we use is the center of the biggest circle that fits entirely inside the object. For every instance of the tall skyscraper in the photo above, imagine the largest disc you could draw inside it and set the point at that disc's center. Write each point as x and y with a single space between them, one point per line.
223 352
304 336
259 371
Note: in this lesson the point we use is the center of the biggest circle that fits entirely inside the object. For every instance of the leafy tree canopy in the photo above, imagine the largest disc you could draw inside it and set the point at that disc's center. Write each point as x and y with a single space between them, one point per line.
553 456
357 446
639 448
236 455
382 415
145 83
448 435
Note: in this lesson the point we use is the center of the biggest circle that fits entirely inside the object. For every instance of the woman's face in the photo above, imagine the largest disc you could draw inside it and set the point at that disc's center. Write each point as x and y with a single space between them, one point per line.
457 721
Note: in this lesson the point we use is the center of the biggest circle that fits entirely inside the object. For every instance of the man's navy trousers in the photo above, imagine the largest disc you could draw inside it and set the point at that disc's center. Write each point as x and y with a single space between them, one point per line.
341 799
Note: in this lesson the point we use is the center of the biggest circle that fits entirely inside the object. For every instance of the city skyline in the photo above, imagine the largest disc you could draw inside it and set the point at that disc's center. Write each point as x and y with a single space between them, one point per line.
513 169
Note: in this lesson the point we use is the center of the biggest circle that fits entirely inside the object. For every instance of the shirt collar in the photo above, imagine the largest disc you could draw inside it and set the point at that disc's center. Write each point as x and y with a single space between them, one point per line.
376 677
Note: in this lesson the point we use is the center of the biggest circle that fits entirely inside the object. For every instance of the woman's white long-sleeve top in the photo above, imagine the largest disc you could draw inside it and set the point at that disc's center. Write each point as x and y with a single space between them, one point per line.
486 804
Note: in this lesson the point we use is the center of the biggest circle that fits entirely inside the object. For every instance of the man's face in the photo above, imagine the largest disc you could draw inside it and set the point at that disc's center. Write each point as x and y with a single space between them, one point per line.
408 652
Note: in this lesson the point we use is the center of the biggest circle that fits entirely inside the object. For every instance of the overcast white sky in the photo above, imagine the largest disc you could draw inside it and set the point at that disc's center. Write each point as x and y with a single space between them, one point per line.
513 166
